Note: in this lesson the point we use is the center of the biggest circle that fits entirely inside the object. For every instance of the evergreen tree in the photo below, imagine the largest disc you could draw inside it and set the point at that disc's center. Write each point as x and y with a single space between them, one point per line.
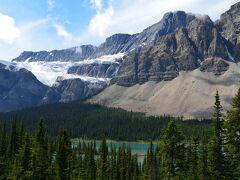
63 155
40 156
3 143
172 152
233 136
192 158
103 161
204 169
218 156
14 140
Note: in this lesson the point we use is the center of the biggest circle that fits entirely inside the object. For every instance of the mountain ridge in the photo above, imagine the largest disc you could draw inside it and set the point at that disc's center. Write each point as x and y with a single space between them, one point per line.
179 42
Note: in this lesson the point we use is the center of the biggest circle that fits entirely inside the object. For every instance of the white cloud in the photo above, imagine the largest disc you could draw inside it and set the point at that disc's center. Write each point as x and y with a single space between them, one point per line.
51 4
8 31
97 4
100 23
62 32
68 38
28 36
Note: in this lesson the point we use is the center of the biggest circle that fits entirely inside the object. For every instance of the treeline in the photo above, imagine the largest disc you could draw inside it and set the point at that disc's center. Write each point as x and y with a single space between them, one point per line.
26 156
94 121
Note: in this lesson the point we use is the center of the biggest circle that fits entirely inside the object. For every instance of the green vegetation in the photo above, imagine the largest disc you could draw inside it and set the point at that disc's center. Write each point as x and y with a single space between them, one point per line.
25 155
94 122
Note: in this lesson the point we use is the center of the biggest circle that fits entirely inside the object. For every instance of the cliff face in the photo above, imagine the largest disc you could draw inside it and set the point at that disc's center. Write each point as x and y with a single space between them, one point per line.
19 88
198 45
229 26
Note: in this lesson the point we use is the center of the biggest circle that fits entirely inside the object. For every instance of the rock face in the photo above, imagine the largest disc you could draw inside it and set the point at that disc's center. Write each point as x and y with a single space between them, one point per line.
169 23
19 89
72 54
73 89
229 26
113 45
99 70
216 65
183 50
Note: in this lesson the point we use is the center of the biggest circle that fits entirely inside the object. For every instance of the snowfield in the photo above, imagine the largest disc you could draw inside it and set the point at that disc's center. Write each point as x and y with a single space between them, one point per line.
49 72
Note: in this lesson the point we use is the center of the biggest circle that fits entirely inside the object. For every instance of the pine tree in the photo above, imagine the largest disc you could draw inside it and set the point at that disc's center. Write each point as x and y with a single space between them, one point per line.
40 156
3 152
192 158
3 143
218 156
63 155
14 140
172 152
103 161
232 125
204 159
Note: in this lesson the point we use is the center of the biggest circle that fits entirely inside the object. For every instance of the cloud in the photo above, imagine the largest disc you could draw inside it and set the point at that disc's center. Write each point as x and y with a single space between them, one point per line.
61 32
8 31
97 4
68 38
51 4
100 23
28 36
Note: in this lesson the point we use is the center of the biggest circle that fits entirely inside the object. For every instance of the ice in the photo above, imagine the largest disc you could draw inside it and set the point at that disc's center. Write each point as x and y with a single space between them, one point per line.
49 72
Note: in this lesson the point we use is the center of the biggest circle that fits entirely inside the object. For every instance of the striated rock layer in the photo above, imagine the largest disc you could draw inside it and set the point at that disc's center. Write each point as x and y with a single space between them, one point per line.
191 94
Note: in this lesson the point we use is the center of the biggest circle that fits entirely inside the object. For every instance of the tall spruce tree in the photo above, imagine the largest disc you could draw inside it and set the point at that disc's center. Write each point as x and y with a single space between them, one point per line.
14 140
172 152
232 125
218 156
40 156
103 161
63 155
204 158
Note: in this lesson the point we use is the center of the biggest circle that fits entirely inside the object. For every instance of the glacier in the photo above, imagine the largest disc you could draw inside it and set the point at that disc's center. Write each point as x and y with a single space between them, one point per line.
50 72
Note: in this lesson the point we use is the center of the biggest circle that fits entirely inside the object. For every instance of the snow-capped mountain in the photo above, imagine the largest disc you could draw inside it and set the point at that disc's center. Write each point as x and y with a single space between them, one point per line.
141 69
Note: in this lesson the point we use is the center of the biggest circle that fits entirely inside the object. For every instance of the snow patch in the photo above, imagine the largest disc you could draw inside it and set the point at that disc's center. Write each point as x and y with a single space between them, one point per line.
78 50
28 59
49 72
7 63
229 54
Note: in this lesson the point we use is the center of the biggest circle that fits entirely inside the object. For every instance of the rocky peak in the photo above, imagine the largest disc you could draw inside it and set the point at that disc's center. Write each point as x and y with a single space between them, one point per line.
229 26
170 22
174 20
72 54
113 45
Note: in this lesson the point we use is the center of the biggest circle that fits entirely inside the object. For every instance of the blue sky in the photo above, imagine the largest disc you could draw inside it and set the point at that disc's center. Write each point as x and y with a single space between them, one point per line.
55 24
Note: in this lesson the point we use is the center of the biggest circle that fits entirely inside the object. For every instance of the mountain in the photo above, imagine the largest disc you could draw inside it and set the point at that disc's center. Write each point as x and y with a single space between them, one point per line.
173 67
181 71
72 54
19 88
114 44
198 45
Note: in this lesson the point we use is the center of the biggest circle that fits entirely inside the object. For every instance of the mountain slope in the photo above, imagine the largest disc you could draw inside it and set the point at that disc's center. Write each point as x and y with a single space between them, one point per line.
191 94
19 88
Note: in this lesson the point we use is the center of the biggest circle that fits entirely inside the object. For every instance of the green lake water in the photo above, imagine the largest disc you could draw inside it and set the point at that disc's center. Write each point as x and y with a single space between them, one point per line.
139 148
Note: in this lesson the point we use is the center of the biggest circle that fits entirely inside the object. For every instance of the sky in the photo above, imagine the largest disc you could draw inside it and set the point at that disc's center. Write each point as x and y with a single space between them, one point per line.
34 25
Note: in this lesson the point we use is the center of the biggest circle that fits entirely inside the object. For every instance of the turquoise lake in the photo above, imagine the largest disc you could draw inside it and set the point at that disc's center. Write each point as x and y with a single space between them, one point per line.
139 148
